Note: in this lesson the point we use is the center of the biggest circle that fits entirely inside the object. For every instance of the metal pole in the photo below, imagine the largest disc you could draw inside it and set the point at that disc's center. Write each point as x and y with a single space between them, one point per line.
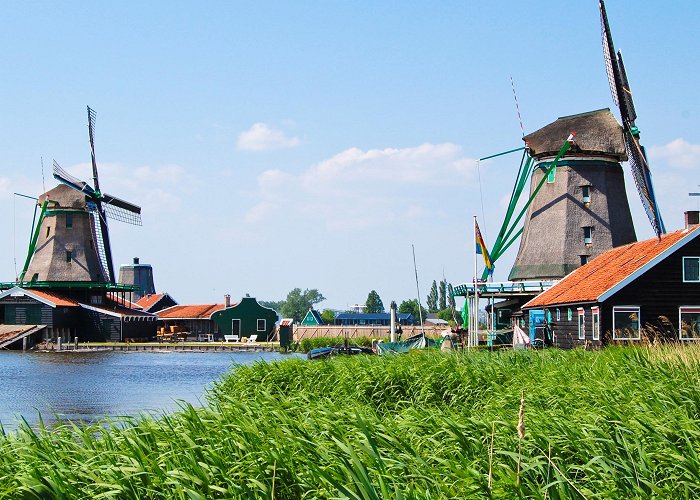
474 334
420 312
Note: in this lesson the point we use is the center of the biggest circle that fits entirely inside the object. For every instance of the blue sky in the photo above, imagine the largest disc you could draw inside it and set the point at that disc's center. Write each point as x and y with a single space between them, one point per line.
275 145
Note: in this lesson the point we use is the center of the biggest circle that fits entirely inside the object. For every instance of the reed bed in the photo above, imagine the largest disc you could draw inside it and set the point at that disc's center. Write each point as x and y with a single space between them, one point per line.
623 422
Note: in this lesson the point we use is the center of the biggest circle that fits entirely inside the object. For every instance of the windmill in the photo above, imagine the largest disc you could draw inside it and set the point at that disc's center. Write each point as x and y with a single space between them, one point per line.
71 241
622 96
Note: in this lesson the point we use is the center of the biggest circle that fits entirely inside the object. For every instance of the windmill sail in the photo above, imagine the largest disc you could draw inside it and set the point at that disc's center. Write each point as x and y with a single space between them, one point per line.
622 96
100 206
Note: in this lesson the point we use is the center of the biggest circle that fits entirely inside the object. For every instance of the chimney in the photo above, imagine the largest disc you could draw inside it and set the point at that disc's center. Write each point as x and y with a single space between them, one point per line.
692 218
136 260
227 300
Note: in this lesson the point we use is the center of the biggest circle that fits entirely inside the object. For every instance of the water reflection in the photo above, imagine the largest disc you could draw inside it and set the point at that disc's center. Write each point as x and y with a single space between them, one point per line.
90 386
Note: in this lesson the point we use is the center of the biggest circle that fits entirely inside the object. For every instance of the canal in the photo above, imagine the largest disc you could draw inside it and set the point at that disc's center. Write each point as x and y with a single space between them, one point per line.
90 386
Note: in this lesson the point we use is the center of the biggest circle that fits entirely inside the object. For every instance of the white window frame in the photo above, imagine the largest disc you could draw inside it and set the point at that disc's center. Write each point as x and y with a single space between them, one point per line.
558 314
264 323
581 323
686 309
588 240
595 323
691 281
639 321
586 194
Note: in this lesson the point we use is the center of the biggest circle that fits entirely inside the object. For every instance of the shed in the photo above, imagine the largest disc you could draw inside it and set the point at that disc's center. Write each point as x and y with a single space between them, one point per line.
246 318
312 318
649 288
189 320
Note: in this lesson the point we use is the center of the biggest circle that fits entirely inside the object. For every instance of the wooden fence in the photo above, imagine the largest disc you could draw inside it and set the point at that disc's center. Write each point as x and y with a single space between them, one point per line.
375 332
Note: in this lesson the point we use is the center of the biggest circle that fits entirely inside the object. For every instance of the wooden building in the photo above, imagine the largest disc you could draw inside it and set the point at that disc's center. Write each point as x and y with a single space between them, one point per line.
247 318
192 321
649 288
67 318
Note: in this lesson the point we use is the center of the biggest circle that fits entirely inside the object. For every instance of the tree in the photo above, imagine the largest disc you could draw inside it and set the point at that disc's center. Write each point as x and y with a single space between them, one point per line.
443 293
411 307
276 305
374 304
328 317
433 298
298 303
450 297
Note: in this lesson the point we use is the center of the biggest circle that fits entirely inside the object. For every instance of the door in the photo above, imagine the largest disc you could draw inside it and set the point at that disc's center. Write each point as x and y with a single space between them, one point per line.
236 327
536 323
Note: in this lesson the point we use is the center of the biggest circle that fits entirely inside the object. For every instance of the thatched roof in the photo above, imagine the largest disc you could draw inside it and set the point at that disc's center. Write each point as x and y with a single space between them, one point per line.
597 134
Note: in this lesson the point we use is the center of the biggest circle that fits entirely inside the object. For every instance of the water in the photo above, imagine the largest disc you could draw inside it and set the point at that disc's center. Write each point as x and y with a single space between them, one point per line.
91 386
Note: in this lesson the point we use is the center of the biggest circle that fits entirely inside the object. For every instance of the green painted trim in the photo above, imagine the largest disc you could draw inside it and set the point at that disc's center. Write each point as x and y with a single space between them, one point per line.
35 238
70 284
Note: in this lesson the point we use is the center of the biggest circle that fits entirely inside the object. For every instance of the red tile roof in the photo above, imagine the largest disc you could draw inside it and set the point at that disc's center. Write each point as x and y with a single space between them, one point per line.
54 298
148 300
203 311
610 269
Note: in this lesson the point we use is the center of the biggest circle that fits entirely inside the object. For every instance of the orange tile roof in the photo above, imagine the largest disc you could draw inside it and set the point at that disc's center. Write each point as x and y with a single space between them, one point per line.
148 300
203 311
603 273
114 297
54 298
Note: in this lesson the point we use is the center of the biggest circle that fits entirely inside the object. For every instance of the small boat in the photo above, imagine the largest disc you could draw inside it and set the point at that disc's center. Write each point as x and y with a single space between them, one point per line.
338 350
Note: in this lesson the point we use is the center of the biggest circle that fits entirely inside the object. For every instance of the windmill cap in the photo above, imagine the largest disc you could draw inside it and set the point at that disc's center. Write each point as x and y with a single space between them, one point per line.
597 133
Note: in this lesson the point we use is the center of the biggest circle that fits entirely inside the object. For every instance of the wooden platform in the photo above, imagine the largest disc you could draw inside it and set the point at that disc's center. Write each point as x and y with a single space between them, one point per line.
9 334
159 346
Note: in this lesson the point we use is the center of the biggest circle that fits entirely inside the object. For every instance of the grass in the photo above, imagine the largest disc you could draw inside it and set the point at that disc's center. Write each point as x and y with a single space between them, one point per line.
623 423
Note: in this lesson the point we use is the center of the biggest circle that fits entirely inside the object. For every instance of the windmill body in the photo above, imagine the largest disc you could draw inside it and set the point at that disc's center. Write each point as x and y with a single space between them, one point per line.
65 249
582 209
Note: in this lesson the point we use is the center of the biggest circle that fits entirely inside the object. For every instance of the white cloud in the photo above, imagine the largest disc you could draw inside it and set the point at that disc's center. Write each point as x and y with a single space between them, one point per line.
358 189
263 137
678 153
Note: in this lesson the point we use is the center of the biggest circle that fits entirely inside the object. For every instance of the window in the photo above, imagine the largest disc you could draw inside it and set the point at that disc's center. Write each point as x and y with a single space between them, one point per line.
96 299
262 325
69 221
581 323
69 256
586 194
584 259
595 323
48 231
588 235
689 321
569 313
558 315
551 175
626 324
691 269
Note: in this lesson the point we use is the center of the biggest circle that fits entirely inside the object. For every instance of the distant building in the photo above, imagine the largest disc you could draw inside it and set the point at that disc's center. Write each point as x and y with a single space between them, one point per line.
195 320
139 275
156 302
312 318
373 319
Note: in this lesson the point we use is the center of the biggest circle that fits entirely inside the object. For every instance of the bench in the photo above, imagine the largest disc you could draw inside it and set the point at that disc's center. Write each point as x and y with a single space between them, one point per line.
231 338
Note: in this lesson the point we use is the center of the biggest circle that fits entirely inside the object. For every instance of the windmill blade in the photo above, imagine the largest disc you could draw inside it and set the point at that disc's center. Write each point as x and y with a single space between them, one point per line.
91 131
642 179
612 65
72 182
123 211
626 92
96 229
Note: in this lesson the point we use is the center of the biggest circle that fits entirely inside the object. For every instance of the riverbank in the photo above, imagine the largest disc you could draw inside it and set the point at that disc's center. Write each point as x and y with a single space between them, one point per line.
621 422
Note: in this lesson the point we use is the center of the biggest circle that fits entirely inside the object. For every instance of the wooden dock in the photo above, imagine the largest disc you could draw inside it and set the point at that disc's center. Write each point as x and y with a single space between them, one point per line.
162 346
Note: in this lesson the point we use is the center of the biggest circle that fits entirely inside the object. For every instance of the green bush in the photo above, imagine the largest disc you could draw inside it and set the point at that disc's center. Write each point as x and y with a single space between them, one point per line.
308 344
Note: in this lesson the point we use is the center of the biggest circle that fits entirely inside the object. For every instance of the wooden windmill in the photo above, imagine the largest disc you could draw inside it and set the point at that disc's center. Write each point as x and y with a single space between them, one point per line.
581 209
71 240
